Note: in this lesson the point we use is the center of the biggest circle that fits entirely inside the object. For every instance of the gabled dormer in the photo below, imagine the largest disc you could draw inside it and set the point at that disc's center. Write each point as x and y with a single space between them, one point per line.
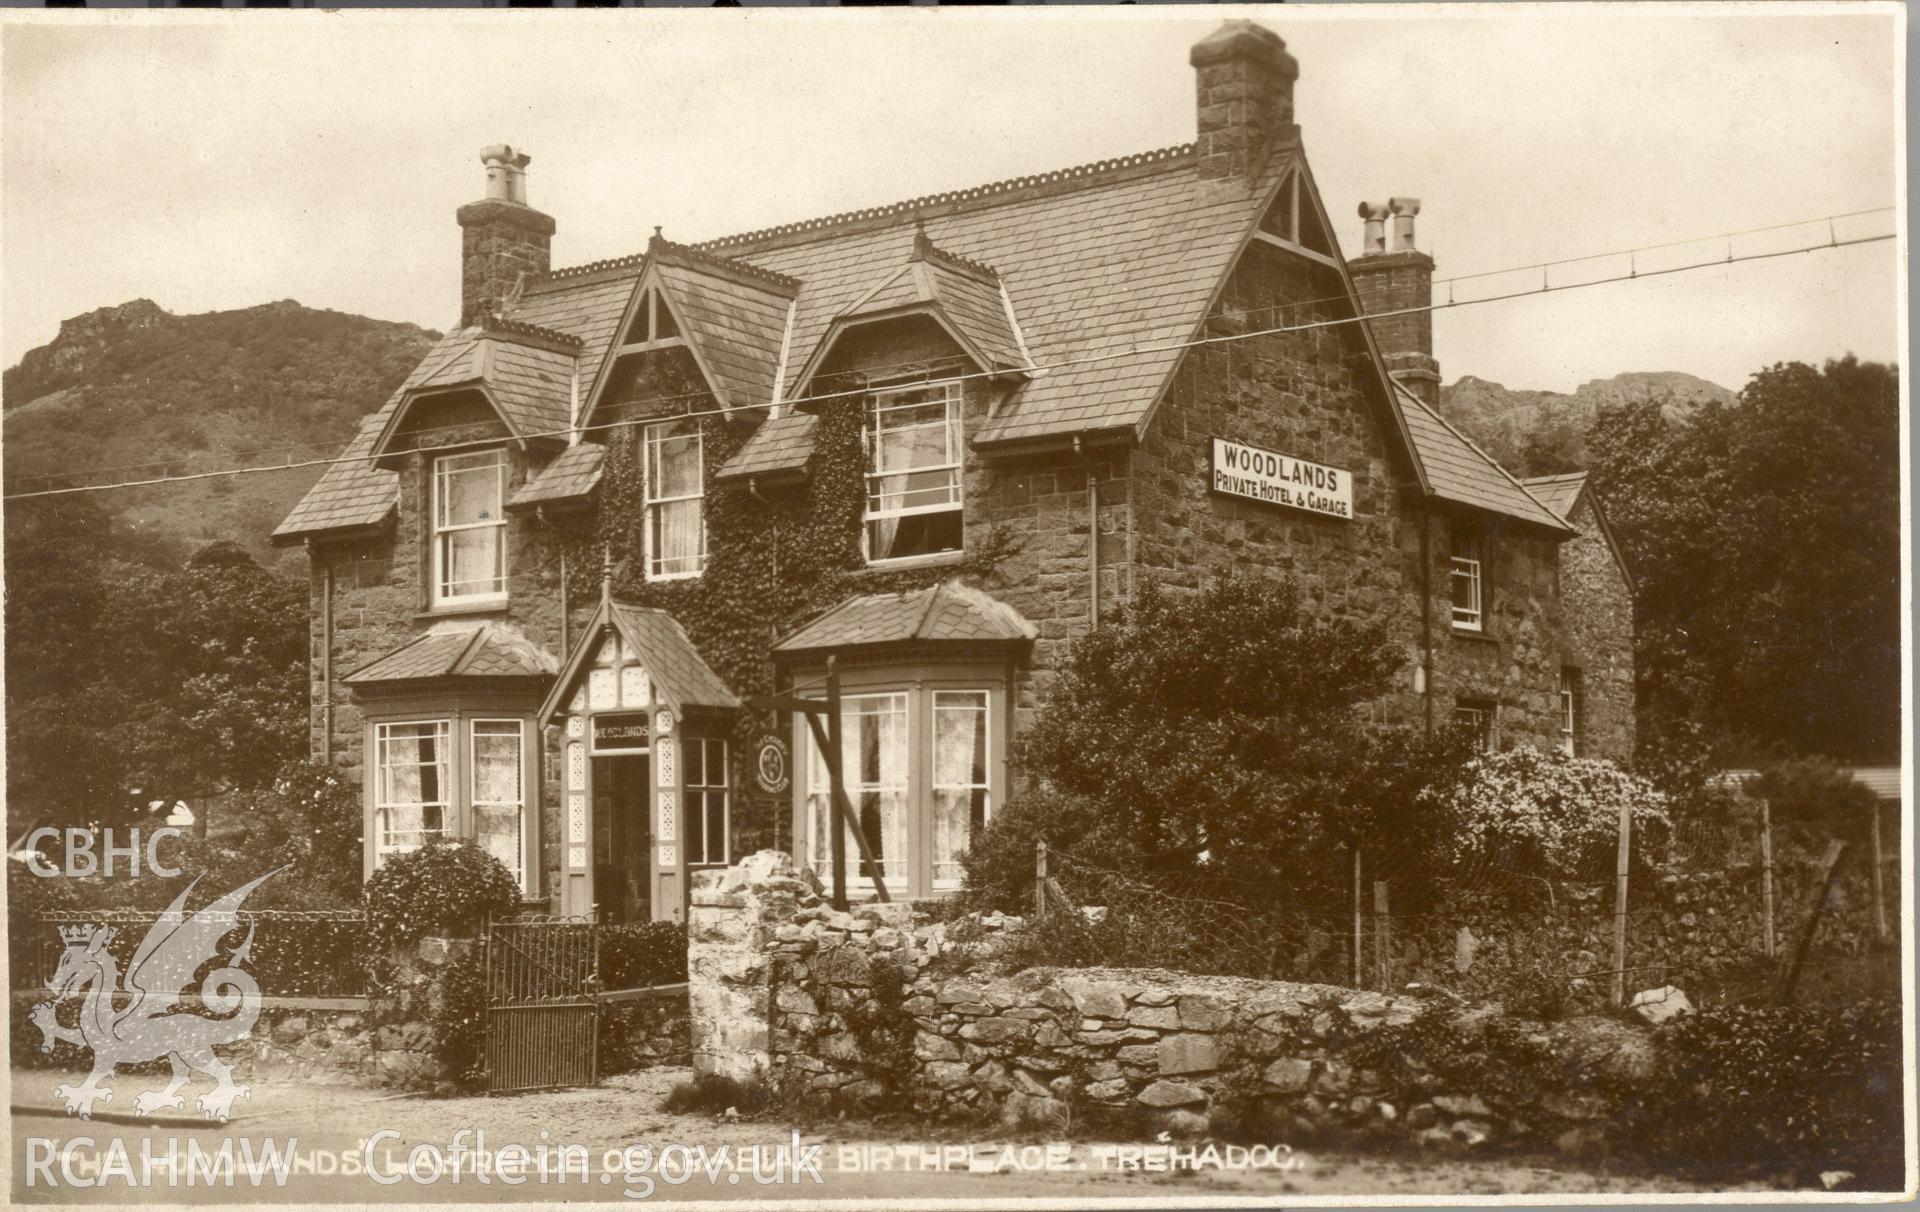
731 319
966 298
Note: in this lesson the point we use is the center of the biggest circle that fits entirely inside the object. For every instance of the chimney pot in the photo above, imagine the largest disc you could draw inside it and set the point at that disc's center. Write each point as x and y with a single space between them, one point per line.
1375 240
1404 209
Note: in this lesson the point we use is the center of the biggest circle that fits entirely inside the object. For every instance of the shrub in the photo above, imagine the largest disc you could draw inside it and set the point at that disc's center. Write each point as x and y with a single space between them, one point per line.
1549 813
459 1020
715 1094
644 954
1773 1084
441 889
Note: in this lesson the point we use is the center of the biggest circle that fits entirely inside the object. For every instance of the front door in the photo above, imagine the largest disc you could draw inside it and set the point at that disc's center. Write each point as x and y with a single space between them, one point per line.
621 839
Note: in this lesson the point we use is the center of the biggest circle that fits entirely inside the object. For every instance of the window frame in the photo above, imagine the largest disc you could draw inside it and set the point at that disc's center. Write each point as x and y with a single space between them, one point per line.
705 789
919 684
1470 566
652 436
954 400
447 803
1570 710
437 595
472 787
934 786
1487 712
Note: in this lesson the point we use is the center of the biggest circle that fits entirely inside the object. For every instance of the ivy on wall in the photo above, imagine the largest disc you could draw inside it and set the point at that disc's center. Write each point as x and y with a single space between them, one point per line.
774 560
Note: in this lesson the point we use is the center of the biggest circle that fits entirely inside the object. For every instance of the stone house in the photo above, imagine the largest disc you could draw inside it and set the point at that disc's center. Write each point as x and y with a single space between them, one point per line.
922 446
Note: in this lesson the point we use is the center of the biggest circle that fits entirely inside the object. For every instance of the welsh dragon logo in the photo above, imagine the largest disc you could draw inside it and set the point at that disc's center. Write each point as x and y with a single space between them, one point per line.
132 1024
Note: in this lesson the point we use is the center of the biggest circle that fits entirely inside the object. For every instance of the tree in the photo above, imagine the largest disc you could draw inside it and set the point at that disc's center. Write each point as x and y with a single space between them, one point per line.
1764 538
1215 736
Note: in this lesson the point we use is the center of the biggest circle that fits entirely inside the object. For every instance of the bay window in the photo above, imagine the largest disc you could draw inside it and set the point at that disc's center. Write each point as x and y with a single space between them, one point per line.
676 530
922 769
496 759
961 795
469 528
412 787
913 472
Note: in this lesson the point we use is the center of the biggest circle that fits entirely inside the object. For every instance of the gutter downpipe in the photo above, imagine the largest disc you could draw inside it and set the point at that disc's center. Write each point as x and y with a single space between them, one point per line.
1093 533
1426 609
326 653
566 649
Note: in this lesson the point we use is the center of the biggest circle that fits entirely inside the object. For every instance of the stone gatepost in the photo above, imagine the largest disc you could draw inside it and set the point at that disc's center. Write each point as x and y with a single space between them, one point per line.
730 962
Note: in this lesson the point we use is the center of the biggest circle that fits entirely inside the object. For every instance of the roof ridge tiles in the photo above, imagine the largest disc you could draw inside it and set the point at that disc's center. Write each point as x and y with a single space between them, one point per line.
501 325
924 249
1010 189
670 250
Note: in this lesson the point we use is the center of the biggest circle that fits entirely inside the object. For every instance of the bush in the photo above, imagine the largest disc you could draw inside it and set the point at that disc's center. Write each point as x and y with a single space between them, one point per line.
1000 861
1771 1084
1549 813
716 1094
442 889
642 955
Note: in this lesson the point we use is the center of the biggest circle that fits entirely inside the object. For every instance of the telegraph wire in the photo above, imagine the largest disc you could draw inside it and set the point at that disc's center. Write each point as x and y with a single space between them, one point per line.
1039 370
921 363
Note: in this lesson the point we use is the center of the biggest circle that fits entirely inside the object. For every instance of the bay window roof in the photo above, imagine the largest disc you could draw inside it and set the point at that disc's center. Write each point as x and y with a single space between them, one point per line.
947 612
490 650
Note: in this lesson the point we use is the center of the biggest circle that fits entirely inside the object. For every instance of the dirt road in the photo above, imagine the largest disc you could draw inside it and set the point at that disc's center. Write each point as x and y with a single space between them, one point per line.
339 1144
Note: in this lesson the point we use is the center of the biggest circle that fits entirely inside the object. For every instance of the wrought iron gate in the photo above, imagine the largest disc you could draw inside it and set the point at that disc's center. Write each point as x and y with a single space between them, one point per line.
542 1018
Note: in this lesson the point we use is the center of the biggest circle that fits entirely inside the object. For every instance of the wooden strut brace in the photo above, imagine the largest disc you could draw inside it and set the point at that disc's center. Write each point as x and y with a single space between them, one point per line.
827 737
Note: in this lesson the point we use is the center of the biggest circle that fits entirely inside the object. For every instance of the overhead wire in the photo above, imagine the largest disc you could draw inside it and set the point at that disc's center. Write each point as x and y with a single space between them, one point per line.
1117 352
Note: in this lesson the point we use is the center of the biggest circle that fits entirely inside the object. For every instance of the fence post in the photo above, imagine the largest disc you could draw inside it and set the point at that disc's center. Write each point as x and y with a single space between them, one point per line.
1620 909
1359 981
1039 879
1766 873
1879 886
1819 905
1382 935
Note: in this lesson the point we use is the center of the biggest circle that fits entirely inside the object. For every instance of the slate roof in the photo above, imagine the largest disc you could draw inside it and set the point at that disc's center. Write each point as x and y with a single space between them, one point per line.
489 650
949 612
1118 257
1558 493
733 324
1461 472
571 475
680 675
965 294
781 447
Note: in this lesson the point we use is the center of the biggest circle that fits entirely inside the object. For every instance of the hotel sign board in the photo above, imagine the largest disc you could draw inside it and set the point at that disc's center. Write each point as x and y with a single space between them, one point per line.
1239 470
621 732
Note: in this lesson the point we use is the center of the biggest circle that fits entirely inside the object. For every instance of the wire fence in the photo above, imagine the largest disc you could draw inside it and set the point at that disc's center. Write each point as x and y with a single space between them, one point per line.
1708 907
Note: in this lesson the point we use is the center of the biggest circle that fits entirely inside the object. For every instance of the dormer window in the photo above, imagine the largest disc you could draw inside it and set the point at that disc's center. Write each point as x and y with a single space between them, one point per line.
913 472
469 528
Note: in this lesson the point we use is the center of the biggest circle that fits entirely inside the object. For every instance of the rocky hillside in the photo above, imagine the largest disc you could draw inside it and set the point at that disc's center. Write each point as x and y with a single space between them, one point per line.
1540 432
139 389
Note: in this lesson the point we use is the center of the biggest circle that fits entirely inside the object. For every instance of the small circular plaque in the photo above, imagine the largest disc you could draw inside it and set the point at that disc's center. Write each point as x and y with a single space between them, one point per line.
770 764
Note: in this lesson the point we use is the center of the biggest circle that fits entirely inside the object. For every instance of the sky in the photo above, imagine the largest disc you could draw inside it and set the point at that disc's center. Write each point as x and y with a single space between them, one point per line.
214 161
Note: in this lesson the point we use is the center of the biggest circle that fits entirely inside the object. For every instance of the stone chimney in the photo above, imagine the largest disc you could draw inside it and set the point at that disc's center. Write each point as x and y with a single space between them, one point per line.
1244 80
503 241
1393 276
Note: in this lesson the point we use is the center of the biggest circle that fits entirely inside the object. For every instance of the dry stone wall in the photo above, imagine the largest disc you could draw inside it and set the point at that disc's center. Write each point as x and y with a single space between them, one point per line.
881 1006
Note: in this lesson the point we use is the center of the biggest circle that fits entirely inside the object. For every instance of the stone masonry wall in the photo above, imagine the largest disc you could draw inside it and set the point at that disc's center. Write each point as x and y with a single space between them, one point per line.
1311 394
1600 632
872 1007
